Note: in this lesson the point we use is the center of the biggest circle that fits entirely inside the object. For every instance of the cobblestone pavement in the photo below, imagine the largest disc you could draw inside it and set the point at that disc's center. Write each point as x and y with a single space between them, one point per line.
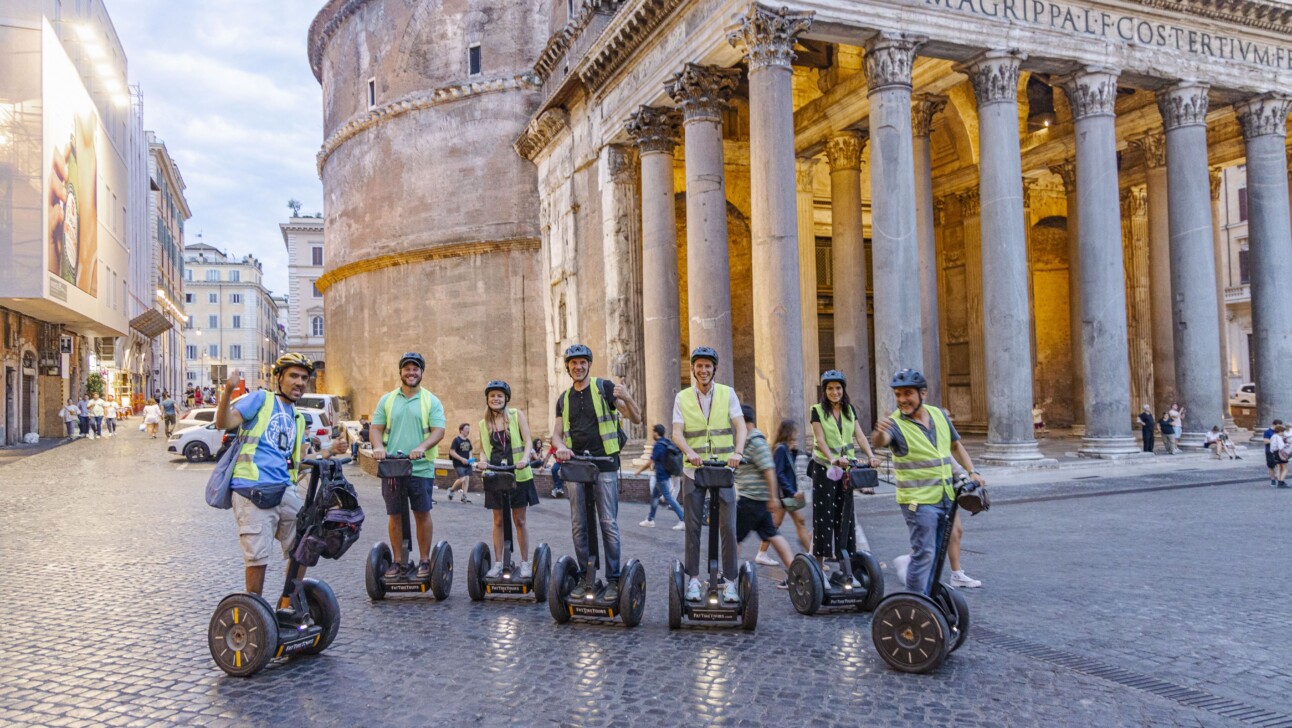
113 564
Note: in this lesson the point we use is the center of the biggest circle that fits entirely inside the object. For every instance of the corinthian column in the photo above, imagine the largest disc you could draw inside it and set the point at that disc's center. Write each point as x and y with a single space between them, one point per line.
1159 254
848 251
1264 122
654 130
767 40
805 172
1067 171
898 320
1105 351
702 92
1006 315
926 106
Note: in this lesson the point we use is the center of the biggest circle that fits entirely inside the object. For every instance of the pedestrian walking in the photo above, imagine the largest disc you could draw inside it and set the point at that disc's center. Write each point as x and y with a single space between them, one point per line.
661 480
152 417
110 415
505 440
69 414
1146 427
1168 433
168 408
1271 461
758 493
83 415
785 455
1281 446
460 453
96 415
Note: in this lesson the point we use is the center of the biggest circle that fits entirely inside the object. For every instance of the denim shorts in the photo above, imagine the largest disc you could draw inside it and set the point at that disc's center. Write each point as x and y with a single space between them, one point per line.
419 495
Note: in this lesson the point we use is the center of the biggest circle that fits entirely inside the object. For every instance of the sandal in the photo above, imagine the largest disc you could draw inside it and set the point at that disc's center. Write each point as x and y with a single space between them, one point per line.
867 491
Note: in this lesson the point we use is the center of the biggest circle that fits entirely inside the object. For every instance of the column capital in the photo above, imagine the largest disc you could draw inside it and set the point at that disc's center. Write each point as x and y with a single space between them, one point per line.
923 108
889 59
1153 146
653 129
969 200
1092 91
621 164
702 92
1264 115
1067 172
766 37
1215 177
804 173
1183 104
994 75
843 150
1139 201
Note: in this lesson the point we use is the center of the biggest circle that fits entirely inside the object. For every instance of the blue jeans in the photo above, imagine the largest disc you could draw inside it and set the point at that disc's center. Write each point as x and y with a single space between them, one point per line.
97 421
665 492
557 484
607 495
925 525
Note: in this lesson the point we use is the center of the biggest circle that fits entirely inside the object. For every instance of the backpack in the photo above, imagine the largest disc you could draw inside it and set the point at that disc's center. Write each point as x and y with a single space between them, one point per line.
673 459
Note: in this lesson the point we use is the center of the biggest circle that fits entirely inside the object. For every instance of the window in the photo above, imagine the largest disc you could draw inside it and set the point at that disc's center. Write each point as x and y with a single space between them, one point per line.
212 298
235 351
235 298
315 285
190 376
1242 203
237 323
372 93
188 274
213 275
316 326
190 351
316 256
213 322
189 298
1244 273
473 60
235 276
213 351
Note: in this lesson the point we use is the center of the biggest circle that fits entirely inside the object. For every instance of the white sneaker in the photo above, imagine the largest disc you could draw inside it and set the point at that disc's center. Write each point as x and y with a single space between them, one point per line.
681 526
693 590
648 523
496 571
964 581
766 559
729 594
900 565
526 570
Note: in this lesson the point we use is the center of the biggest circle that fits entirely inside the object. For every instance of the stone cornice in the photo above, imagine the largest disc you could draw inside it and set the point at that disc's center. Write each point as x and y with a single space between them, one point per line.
766 37
1263 14
1091 92
417 101
627 30
654 129
923 108
421 255
324 26
994 75
539 132
1184 104
1153 146
702 92
843 150
1264 115
562 39
889 59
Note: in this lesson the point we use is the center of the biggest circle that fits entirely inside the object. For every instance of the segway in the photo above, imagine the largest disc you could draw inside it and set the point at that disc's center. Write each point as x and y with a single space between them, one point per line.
712 477
394 472
810 589
916 633
509 584
246 632
566 573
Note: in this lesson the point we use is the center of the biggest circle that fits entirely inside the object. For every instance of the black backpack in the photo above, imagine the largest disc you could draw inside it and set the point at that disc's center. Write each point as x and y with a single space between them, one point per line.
673 459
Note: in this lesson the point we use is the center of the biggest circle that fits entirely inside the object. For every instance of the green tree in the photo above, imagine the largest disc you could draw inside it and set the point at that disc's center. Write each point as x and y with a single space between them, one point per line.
94 384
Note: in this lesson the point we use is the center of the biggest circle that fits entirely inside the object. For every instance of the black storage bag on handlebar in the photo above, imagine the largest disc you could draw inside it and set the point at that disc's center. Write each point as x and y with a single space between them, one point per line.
859 478
495 482
332 525
711 477
394 468
579 471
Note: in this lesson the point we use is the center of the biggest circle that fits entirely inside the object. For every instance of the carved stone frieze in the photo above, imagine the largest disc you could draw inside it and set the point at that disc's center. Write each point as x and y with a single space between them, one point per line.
628 29
1184 104
766 37
1067 171
994 75
702 92
1264 115
654 129
889 59
969 200
1153 147
843 150
1092 92
923 108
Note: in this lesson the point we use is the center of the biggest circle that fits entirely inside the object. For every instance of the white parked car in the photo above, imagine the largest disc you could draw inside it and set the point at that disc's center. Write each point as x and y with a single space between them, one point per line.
337 408
195 443
319 425
1244 397
194 417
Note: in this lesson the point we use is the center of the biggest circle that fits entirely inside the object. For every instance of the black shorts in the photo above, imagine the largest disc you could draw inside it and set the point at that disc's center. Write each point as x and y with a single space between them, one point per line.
1271 459
752 515
523 495
419 495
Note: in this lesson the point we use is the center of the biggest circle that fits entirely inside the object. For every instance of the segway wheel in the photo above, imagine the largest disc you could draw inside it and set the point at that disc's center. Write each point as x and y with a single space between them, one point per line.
632 593
748 586
910 633
865 569
325 610
542 564
243 634
807 584
957 613
564 574
477 566
675 590
379 559
441 570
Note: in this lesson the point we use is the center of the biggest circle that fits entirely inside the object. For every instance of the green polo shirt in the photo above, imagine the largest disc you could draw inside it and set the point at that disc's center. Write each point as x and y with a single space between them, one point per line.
405 428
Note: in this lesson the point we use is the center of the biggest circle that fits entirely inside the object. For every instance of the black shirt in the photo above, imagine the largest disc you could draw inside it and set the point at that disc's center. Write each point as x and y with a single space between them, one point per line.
500 447
461 446
1146 420
584 435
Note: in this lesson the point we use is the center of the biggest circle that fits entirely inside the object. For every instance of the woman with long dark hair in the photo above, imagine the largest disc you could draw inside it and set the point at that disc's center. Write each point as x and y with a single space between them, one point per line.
505 440
837 437
785 454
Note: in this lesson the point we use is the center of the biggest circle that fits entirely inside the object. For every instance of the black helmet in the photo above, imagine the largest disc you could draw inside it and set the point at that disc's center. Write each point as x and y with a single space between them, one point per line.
499 385
704 352
834 375
413 357
578 351
908 378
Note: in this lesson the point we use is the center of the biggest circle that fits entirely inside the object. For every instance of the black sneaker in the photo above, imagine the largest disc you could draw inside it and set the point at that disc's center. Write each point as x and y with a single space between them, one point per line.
579 591
612 591
424 570
465 499
396 569
1283 484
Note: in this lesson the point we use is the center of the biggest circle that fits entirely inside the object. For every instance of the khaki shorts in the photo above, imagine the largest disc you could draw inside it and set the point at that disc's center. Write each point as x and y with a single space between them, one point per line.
257 528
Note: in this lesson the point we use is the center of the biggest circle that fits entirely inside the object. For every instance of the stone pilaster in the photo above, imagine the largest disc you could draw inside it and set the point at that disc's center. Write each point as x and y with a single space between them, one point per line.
1153 146
924 108
971 230
805 173
1067 171
621 267
851 329
1139 319
1218 249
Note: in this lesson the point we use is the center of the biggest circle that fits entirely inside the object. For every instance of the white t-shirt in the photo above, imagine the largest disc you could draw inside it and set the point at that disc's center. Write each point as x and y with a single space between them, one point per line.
1278 443
152 414
1212 437
1175 419
110 410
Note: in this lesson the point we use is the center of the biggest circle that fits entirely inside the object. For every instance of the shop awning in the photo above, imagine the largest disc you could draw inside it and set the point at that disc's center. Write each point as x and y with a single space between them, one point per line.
150 323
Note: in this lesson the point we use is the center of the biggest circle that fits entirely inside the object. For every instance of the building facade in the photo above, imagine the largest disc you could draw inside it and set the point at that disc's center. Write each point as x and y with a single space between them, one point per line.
1011 196
167 211
232 318
303 238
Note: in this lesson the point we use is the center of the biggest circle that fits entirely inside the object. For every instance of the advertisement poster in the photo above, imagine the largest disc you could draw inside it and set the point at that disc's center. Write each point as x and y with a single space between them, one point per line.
72 143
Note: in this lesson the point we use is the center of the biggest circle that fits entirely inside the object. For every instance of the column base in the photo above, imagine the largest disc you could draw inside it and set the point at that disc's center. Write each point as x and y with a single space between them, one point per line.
1193 441
1017 455
1257 437
1078 429
1112 448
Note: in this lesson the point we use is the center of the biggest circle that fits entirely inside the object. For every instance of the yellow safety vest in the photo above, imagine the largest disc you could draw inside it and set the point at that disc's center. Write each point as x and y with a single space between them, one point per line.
924 472
523 475
607 419
244 467
838 437
388 406
712 438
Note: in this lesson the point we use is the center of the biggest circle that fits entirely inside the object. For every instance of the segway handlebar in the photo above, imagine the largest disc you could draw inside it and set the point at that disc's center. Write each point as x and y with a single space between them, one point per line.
717 463
855 463
317 462
588 457
510 468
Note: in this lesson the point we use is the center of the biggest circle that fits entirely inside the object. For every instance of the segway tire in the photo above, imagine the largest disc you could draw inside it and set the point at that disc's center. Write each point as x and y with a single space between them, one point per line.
807 584
542 566
748 589
243 634
564 574
379 559
477 566
632 593
866 569
675 588
441 570
910 633
325 610
957 615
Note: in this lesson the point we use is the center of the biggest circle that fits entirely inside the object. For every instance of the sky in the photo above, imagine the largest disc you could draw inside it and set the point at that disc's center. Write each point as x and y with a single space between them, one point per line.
227 86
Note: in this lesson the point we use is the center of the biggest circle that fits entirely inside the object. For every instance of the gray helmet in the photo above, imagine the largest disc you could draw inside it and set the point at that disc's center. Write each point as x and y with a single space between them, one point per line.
414 358
834 375
704 352
499 385
578 351
908 378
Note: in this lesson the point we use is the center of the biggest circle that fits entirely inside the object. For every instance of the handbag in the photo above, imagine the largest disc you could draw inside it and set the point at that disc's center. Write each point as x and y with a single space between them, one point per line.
859 478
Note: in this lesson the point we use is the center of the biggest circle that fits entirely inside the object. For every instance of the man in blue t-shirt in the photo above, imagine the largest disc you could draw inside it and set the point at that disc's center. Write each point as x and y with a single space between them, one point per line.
661 483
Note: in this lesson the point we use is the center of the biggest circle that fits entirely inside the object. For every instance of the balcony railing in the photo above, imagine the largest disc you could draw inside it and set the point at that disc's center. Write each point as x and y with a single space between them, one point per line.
1238 294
